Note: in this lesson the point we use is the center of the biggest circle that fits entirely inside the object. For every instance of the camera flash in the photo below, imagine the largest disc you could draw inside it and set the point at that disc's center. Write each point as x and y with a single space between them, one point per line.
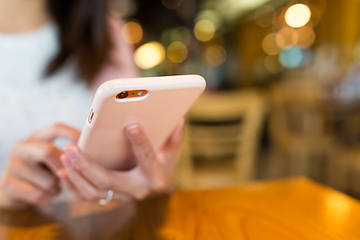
140 93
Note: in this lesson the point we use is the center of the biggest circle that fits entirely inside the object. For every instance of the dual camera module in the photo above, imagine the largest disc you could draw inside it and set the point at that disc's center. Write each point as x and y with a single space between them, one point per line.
131 94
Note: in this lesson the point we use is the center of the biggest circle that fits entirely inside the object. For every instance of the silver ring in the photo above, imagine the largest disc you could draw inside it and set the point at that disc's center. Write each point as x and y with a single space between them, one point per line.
108 198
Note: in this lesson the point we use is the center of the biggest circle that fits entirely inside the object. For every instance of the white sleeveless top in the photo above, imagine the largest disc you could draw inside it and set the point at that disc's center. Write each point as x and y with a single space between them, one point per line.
28 100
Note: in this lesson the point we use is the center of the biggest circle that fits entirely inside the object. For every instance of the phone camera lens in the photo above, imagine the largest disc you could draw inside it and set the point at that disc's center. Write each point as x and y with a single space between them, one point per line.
122 95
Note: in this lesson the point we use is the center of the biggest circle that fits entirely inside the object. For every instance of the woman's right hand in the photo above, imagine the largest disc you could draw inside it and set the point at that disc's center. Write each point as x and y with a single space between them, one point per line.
30 176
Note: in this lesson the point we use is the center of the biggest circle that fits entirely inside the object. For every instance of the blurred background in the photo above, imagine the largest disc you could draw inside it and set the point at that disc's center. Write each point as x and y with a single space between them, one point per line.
283 85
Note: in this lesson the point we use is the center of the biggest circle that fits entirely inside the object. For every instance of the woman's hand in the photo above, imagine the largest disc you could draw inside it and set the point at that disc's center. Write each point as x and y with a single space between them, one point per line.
155 172
30 177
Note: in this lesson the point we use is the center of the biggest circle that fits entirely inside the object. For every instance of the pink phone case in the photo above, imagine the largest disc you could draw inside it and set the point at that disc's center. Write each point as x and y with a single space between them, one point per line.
168 99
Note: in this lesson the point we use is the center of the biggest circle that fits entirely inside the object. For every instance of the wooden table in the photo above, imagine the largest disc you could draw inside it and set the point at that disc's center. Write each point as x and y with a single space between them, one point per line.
289 209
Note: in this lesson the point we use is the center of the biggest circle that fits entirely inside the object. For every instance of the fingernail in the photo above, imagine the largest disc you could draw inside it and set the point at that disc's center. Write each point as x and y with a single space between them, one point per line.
70 152
65 161
133 131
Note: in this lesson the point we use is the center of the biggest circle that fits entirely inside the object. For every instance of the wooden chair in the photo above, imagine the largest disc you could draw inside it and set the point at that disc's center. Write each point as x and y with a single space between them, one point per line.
298 134
315 138
221 143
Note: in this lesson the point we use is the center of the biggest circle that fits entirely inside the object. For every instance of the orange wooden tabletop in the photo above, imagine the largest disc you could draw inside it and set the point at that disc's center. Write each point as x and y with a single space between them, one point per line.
289 209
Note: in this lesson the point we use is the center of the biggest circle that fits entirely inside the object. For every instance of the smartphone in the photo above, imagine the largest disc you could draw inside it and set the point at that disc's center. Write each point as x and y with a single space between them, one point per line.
156 103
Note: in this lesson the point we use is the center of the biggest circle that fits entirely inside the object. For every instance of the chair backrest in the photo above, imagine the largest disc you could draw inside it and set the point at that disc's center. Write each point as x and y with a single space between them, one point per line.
221 143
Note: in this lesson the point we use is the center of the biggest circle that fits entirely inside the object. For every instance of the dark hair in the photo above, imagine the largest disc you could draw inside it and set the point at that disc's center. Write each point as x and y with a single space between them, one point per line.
83 34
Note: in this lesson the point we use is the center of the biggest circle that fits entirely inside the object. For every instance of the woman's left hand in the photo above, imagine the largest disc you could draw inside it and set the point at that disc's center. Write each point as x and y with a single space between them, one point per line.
155 172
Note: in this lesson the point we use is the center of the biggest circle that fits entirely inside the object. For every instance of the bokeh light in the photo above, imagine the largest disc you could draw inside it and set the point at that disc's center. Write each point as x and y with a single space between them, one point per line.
291 57
215 55
270 45
204 30
297 15
181 34
210 15
171 4
132 32
149 55
272 64
306 37
265 16
178 34
177 52
287 37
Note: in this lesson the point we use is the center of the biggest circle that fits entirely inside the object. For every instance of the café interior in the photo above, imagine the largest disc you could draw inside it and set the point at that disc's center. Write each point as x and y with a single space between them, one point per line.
283 86
272 146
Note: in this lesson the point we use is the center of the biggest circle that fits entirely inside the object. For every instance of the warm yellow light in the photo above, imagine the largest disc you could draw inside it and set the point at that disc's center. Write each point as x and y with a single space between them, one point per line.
297 15
149 55
287 37
270 45
215 55
179 34
204 30
211 15
306 37
177 52
132 32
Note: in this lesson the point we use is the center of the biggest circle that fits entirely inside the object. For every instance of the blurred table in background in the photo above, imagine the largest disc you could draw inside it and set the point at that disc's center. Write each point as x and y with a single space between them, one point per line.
290 209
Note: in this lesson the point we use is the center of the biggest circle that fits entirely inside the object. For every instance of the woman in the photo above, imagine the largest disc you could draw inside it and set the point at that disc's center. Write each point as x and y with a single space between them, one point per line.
53 54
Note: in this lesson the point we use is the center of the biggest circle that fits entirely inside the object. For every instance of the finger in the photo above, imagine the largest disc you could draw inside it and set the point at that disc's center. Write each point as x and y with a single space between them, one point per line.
84 187
38 152
94 173
56 131
132 183
128 184
136 185
23 191
35 174
143 150
172 146
63 176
